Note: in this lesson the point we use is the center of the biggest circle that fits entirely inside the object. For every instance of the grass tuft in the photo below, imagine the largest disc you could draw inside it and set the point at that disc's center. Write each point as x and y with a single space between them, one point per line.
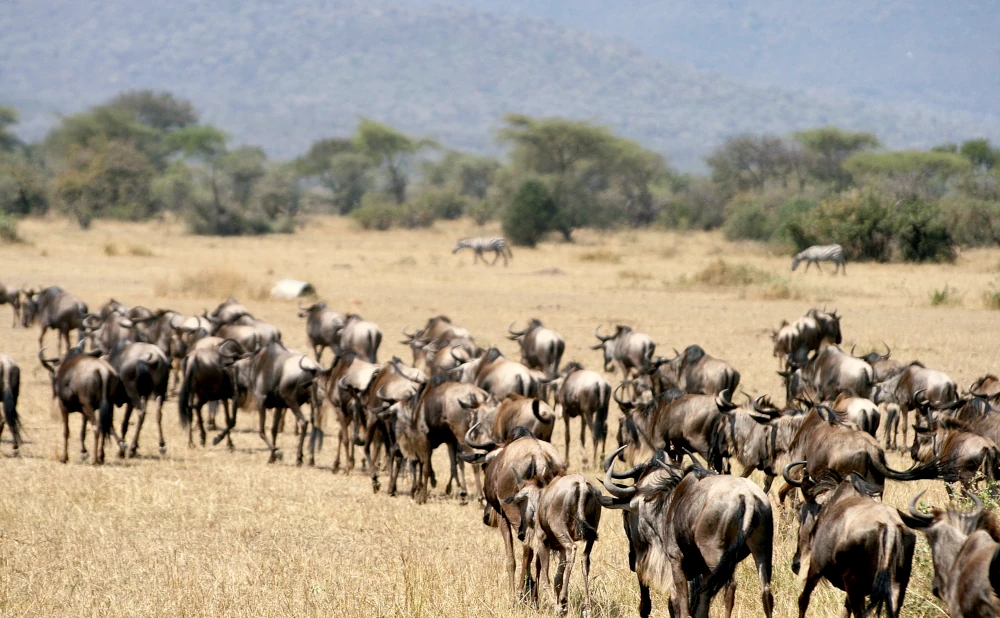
601 256
723 274
944 297
212 283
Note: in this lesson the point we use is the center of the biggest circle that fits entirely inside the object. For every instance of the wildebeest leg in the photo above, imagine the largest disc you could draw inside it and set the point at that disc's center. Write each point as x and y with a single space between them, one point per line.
65 420
768 480
279 415
645 603
904 412
729 596
83 438
680 596
303 426
856 596
748 471
566 422
127 416
397 463
213 410
91 417
762 558
453 469
41 340
544 587
586 578
479 483
138 426
527 556
567 573
159 424
508 545
425 470
230 425
811 580
201 425
584 421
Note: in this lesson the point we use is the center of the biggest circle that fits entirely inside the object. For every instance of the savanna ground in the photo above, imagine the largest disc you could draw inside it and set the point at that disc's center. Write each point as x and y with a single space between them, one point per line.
207 532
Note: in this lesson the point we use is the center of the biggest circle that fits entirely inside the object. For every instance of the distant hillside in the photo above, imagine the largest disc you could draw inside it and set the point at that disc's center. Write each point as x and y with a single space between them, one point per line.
282 73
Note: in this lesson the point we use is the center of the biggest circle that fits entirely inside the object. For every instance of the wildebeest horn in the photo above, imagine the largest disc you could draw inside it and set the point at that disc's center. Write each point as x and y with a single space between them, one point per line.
617 490
977 502
515 334
920 398
786 472
758 405
458 358
89 321
622 404
597 333
410 336
47 363
382 397
915 513
489 445
610 459
854 345
888 351
723 402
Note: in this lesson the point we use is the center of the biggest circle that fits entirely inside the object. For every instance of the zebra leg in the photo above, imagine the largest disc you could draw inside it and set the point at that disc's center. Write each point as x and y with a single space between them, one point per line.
495 258
818 266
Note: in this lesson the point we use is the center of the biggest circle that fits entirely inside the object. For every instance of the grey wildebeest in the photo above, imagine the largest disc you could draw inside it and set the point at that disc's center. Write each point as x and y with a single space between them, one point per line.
88 385
899 394
751 435
630 351
688 530
826 375
828 444
807 334
434 337
10 387
555 517
500 376
144 371
277 378
9 295
105 332
541 348
858 544
882 366
228 312
965 552
520 459
498 419
586 394
57 309
675 422
322 327
694 371
361 337
349 376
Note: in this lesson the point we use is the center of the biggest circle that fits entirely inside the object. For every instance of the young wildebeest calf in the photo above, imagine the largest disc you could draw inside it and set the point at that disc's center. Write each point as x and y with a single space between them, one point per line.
10 386
965 552
859 545
558 516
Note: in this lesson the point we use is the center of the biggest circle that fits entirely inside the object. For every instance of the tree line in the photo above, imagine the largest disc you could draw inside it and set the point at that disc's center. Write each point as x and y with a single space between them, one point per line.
144 154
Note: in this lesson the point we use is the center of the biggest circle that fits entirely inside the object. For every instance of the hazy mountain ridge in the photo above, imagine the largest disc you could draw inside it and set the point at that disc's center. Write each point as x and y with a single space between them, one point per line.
282 74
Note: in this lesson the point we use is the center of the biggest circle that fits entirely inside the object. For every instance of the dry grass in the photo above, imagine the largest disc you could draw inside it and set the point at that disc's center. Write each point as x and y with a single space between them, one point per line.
205 532
114 250
602 256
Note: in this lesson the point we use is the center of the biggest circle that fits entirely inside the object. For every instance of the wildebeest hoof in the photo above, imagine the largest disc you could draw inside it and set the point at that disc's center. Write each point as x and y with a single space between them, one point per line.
163 449
312 461
376 486
463 498
131 453
298 460
84 455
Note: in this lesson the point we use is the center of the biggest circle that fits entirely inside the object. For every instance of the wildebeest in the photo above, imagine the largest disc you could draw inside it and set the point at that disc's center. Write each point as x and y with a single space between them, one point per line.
144 372
860 411
322 327
228 312
692 528
882 366
541 348
586 394
10 387
434 338
751 435
349 375
964 550
807 334
89 385
9 295
952 440
57 309
676 422
500 376
630 351
828 444
558 516
499 418
208 376
361 337
105 332
858 544
694 371
826 375
987 387
520 459
279 379
899 393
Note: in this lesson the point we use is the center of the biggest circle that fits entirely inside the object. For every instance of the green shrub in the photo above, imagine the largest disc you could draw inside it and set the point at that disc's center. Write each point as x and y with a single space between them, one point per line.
921 235
856 220
698 204
973 222
375 213
991 297
747 219
945 296
530 215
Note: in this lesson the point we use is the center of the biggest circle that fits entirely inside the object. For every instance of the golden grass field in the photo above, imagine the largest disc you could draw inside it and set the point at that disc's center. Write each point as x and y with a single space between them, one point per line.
207 532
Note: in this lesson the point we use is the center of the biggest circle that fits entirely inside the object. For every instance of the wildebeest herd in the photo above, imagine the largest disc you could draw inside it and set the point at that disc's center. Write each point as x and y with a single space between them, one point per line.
688 526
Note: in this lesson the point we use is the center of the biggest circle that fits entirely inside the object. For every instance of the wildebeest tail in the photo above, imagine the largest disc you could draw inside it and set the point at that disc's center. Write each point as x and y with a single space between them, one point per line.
558 347
11 388
184 399
995 570
585 500
106 412
881 595
937 468
374 341
732 381
599 404
143 378
723 572
717 444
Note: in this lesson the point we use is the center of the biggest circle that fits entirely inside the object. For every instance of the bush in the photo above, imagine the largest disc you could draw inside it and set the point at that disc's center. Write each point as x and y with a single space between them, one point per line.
700 204
8 229
375 213
483 211
945 296
857 221
973 222
747 219
530 215
921 235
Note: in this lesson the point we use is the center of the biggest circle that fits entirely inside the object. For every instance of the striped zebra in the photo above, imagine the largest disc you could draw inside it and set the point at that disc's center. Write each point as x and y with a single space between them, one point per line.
822 253
481 244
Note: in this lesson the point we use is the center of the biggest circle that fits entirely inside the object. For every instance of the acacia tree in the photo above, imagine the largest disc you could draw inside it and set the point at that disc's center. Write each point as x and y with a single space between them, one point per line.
749 162
391 151
830 147
337 165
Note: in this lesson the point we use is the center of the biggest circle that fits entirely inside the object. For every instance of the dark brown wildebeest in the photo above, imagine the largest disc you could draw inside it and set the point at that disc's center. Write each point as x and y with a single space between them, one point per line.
556 517
541 348
10 295
952 440
828 444
322 327
630 351
806 335
965 551
10 387
859 545
694 371
827 374
688 530
106 332
88 385
208 376
521 458
498 419
361 337
144 371
277 378
585 394
57 309
676 422
899 393
500 376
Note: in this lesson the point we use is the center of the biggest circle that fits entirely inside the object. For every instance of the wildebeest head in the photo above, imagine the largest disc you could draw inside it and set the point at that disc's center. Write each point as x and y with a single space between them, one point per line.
607 343
305 312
